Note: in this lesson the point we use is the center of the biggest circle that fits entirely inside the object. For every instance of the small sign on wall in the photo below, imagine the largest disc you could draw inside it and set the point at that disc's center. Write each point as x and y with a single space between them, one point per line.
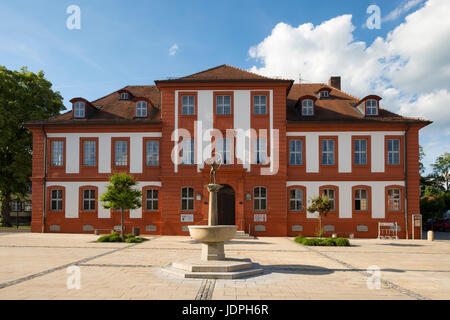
187 218
260 217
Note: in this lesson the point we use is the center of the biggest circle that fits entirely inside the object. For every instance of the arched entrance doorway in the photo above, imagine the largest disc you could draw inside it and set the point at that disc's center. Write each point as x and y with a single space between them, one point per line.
226 205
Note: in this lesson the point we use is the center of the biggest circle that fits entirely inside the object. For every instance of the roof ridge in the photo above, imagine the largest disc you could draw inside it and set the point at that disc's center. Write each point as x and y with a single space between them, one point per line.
210 69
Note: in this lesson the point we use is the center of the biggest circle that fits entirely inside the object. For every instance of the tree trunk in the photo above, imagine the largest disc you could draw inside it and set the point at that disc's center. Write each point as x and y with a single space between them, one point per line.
6 210
122 225
320 225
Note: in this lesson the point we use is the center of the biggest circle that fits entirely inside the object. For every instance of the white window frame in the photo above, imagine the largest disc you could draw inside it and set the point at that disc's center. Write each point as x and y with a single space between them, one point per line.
394 197
371 107
359 152
359 197
141 109
150 201
307 107
324 94
259 200
223 146
260 150
89 153
79 109
297 200
188 198
120 157
187 105
57 153
90 199
16 206
222 107
58 199
297 152
187 151
328 153
152 153
391 153
326 193
124 96
259 107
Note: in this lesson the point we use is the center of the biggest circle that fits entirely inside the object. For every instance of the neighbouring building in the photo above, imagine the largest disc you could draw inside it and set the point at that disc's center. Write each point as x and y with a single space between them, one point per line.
281 144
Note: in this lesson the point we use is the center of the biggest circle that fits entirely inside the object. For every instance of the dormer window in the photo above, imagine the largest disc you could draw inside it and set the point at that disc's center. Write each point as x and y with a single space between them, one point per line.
371 107
307 107
141 109
124 96
324 94
79 109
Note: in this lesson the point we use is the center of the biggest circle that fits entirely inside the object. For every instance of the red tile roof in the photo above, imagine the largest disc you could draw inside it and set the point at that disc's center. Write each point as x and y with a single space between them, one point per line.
223 73
339 106
112 110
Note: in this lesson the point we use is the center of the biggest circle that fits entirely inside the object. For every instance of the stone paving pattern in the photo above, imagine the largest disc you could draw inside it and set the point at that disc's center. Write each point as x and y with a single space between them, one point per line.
33 266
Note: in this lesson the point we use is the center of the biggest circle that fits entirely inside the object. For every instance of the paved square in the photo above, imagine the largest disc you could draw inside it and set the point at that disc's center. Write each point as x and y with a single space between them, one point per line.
34 266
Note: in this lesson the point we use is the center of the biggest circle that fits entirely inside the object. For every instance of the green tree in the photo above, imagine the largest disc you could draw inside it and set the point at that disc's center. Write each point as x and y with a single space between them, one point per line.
430 191
321 205
442 167
421 156
120 194
24 96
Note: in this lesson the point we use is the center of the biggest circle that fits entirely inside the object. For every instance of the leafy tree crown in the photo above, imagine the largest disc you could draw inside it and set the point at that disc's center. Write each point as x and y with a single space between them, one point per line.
120 193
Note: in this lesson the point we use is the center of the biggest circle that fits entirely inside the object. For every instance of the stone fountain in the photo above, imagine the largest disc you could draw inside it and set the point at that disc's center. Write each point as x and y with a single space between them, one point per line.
212 263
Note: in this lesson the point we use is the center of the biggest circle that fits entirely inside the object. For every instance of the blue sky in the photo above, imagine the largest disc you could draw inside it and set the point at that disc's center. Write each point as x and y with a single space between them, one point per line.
127 42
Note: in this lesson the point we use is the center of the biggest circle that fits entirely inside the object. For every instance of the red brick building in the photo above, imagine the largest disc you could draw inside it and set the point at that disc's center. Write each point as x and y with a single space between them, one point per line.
282 143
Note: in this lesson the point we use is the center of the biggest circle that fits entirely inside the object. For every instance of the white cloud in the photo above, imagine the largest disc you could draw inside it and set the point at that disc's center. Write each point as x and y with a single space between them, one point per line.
410 68
401 9
173 49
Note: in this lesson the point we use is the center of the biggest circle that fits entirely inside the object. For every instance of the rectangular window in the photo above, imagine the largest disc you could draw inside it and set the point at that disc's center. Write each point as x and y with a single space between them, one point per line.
151 200
56 200
393 151
187 199
57 153
296 200
330 194
89 200
328 152
152 153
260 151
360 151
27 206
89 153
16 206
260 104
296 152
361 200
260 199
307 107
394 196
187 105
187 151
223 146
371 107
223 105
121 153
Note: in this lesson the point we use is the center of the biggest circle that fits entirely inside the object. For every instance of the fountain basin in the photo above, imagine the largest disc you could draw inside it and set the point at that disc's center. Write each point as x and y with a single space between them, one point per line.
212 233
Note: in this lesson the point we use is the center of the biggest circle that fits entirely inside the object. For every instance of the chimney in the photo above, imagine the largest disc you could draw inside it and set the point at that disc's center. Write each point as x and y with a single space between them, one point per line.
335 82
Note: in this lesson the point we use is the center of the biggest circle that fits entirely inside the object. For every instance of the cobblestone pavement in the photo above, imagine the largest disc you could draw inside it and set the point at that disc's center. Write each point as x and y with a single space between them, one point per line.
34 266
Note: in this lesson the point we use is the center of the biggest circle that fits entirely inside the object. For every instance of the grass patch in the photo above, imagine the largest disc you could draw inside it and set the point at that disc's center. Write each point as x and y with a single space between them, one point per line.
115 237
324 242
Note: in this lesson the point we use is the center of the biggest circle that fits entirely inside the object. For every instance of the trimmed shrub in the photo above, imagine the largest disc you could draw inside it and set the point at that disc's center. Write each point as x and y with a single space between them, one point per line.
115 237
341 242
112 237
